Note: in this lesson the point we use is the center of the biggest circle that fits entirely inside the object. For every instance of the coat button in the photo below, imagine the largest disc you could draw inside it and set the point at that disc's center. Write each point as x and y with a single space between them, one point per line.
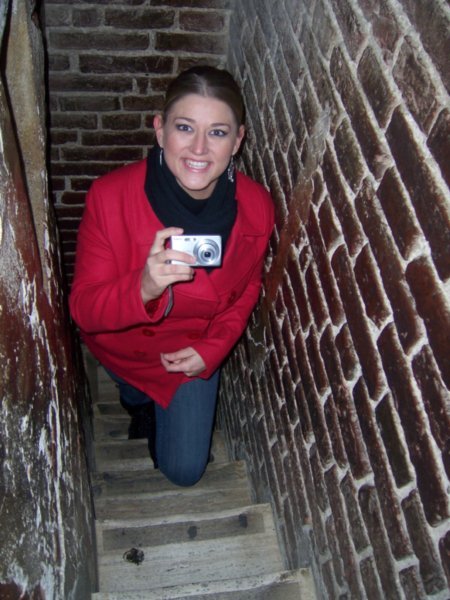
139 353
232 297
148 332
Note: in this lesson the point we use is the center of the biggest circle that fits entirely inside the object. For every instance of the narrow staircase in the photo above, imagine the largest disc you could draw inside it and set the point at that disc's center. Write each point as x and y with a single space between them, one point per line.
158 541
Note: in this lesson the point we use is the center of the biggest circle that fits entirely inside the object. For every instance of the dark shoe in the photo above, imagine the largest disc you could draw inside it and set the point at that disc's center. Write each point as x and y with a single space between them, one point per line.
142 425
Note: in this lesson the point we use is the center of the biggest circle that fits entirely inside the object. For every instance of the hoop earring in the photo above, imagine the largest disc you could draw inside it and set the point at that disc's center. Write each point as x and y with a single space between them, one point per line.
161 155
230 171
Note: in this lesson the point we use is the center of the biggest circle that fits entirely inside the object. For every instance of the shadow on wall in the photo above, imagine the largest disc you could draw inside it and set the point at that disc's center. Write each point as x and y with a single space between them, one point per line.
45 509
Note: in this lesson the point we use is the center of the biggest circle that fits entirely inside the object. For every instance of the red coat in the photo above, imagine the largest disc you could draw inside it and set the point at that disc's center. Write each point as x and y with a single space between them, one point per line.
209 314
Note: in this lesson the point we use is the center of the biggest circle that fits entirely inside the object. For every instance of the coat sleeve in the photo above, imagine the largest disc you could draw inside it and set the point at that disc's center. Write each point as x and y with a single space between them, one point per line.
102 299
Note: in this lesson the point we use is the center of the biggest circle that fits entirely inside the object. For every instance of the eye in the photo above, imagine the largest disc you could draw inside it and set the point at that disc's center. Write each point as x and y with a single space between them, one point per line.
183 127
218 133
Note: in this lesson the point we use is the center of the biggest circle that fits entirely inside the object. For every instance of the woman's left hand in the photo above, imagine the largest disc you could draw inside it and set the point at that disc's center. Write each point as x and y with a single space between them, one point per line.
186 361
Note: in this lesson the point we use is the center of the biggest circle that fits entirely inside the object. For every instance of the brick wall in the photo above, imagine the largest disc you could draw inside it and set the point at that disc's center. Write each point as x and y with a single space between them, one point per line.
109 63
338 394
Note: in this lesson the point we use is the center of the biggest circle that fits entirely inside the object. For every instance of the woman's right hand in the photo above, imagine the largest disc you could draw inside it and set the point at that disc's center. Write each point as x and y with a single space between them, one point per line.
159 272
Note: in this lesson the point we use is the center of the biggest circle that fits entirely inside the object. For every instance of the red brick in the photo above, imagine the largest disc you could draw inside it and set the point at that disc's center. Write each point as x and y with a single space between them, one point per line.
299 290
73 198
350 495
334 431
316 362
432 306
393 518
87 17
347 355
346 550
143 103
146 19
316 300
353 28
387 418
370 508
57 16
349 155
385 27
64 82
58 63
348 422
411 583
429 479
444 549
436 399
399 214
371 288
430 570
186 42
390 267
316 514
220 4
73 121
432 23
375 86
97 40
92 63
329 289
416 83
121 121
58 138
348 88
82 168
338 567
428 200
80 184
122 154
329 225
88 103
357 323
202 21
371 580
114 139
342 205
324 28
439 143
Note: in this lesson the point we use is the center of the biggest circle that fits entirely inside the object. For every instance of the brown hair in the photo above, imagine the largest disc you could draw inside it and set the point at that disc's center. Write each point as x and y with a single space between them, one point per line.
208 82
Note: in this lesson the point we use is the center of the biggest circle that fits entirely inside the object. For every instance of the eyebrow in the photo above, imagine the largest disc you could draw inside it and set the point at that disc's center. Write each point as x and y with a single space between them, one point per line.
211 124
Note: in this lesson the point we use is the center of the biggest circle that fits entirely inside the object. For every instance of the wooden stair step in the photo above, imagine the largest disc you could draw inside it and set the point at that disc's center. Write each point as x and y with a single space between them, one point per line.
171 503
118 483
285 585
191 562
123 534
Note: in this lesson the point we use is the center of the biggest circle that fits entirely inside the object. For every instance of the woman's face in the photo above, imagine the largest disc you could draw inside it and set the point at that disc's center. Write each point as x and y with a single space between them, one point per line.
199 136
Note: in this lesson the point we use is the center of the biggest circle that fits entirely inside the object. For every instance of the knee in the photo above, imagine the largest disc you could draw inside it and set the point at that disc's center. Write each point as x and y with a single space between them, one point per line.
182 475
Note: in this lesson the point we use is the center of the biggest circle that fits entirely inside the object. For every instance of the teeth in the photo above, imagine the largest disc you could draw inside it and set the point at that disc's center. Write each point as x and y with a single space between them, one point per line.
196 165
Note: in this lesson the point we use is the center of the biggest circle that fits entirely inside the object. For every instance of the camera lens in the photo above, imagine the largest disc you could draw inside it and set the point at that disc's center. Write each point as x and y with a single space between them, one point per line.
206 252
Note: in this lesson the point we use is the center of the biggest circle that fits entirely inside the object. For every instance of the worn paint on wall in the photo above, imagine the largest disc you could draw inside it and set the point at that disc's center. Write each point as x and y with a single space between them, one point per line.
45 504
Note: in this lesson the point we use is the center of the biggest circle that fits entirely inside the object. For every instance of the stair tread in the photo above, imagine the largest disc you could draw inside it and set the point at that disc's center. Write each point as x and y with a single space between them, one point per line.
248 520
169 503
193 562
118 483
284 585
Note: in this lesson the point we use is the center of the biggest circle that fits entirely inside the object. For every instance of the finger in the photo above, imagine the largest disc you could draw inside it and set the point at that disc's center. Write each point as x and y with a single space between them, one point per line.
162 236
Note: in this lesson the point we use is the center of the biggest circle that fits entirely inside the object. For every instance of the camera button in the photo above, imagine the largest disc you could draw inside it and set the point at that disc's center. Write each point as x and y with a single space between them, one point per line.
148 332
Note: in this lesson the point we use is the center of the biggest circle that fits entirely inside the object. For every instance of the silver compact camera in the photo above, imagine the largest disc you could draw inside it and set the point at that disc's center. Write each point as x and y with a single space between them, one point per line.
206 249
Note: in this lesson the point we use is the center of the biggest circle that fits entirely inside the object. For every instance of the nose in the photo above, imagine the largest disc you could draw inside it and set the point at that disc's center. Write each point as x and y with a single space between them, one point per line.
200 143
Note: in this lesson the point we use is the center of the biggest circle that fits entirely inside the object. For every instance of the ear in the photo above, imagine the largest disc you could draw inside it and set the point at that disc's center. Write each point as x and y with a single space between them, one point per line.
239 138
158 125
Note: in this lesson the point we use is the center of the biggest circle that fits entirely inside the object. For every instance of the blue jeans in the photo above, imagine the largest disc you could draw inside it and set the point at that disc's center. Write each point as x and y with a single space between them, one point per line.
184 429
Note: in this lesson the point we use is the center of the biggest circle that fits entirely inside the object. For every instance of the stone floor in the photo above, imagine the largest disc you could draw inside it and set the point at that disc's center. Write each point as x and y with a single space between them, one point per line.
158 541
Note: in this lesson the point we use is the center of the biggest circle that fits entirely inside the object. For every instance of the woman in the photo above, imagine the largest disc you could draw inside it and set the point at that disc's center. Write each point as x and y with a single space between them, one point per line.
162 329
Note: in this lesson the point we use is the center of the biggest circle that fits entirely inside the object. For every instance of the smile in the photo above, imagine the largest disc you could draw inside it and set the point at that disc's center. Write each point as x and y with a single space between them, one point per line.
194 164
